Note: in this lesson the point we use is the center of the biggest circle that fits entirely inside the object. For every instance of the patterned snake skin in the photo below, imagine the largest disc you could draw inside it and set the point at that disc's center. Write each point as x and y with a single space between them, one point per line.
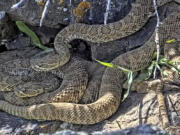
141 11
25 82
111 86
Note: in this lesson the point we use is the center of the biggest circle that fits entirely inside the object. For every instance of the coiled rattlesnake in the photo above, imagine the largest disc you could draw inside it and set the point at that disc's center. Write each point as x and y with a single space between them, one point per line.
110 91
16 75
137 17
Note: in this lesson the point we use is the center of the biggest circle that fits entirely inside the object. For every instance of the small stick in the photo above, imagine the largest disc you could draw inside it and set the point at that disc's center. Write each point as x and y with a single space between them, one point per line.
107 11
44 13
19 4
156 36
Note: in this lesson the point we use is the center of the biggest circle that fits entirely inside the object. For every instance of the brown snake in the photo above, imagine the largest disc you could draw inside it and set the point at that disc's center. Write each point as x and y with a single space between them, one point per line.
140 12
111 86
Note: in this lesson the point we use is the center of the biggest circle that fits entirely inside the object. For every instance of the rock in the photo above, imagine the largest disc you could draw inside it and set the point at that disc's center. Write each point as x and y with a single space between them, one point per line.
143 109
19 43
61 13
139 130
14 125
7 29
3 17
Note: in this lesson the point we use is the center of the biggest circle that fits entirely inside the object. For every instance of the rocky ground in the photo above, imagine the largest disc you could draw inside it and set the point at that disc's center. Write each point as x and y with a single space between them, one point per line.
137 109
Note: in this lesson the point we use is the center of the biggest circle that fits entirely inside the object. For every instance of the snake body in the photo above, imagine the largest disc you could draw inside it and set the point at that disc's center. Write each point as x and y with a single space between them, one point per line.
140 12
111 86
71 90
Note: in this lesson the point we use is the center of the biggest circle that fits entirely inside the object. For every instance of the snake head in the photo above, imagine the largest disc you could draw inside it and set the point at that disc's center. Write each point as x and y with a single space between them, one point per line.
47 61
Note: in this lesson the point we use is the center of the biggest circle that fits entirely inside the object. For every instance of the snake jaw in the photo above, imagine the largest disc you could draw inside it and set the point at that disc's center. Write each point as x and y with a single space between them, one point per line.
48 61
22 94
39 68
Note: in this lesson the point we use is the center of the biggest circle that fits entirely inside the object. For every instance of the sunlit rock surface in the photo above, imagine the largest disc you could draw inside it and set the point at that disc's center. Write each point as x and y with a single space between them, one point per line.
61 13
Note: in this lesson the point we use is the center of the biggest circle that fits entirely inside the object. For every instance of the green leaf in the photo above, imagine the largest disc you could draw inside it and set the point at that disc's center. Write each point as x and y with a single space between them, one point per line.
163 61
171 62
170 41
130 75
154 55
173 67
106 64
158 67
24 28
178 67
113 66
124 69
164 73
150 70
130 81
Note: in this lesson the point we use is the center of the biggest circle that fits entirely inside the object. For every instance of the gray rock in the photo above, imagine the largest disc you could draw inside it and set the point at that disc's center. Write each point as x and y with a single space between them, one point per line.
7 29
30 12
139 130
3 17
19 43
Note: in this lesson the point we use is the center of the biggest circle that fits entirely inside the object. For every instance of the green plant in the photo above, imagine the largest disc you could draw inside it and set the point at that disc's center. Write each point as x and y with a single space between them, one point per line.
146 73
24 28
130 75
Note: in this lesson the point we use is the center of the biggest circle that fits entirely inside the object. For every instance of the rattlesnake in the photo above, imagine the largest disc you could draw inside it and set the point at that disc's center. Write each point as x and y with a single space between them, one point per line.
31 88
110 91
17 75
136 18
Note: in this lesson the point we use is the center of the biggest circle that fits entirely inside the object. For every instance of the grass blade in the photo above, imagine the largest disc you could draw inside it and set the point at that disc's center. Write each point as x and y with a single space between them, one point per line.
130 81
24 28
150 70
106 64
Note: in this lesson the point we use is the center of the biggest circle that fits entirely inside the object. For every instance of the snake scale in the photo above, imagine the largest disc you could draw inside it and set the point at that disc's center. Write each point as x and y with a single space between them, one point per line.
73 83
112 80
140 12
